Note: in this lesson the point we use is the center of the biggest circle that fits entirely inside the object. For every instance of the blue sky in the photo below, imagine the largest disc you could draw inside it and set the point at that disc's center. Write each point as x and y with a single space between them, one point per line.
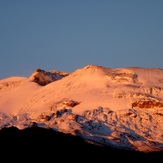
69 34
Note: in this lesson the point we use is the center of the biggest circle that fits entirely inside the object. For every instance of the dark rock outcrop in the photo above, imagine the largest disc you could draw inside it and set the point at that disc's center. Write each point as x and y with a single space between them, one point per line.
43 77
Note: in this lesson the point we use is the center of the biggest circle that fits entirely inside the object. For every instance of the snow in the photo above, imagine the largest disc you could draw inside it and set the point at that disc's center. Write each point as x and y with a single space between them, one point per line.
117 107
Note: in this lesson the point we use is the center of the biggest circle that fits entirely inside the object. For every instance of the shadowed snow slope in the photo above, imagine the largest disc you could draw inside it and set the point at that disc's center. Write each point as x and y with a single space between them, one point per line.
120 107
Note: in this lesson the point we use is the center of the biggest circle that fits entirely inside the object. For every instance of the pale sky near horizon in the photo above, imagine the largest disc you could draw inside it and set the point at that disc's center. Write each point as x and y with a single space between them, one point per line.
70 34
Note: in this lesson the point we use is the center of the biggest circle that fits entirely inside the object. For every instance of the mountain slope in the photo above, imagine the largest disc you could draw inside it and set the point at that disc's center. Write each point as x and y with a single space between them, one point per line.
120 107
36 143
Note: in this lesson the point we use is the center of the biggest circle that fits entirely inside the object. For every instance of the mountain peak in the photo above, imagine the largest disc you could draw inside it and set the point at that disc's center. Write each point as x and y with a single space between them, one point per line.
118 107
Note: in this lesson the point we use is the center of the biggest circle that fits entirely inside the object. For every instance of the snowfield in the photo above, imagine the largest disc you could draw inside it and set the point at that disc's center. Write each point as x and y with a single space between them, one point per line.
120 107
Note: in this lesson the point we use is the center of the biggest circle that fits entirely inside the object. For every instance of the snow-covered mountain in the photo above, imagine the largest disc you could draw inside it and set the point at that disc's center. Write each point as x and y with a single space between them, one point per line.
116 107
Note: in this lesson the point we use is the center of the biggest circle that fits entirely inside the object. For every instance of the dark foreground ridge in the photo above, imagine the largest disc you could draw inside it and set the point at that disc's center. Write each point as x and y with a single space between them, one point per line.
46 144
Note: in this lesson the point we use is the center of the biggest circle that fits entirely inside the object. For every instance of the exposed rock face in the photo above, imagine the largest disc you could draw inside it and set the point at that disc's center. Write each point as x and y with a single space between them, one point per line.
148 104
43 77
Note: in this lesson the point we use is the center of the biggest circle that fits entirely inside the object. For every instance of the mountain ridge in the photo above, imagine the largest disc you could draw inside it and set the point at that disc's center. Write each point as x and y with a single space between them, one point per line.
119 107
